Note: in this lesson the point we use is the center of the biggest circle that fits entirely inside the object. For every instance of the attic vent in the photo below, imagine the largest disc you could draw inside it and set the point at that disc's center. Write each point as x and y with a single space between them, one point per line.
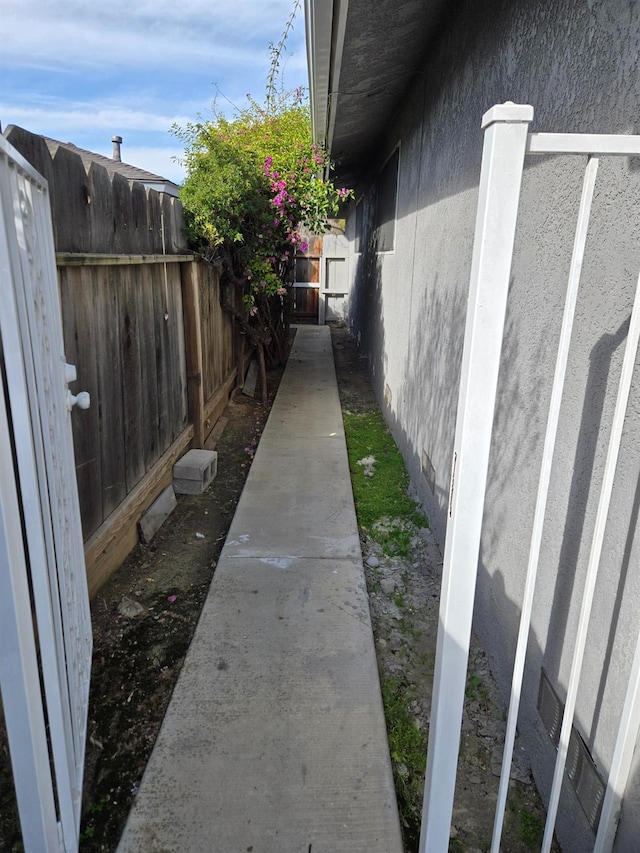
580 768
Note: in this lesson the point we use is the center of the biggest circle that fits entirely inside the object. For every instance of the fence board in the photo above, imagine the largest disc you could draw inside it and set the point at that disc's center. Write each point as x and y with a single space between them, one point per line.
148 403
161 338
139 226
193 336
79 334
154 222
122 215
34 149
100 210
105 287
206 322
218 333
70 201
177 358
178 231
131 385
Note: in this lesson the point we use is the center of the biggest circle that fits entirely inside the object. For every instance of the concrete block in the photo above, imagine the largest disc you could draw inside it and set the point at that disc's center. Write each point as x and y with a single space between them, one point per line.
195 472
155 516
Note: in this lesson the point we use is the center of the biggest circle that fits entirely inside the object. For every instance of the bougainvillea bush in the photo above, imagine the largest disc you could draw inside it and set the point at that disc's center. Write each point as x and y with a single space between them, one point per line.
254 183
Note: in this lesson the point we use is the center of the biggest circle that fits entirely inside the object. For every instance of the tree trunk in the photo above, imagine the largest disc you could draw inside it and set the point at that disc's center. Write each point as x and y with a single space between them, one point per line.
263 373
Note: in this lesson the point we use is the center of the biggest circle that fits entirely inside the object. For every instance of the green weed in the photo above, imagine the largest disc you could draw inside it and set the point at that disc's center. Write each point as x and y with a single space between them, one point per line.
408 748
476 690
531 830
383 505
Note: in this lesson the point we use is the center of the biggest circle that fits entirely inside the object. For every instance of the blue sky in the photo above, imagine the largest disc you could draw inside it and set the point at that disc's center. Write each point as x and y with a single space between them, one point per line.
83 70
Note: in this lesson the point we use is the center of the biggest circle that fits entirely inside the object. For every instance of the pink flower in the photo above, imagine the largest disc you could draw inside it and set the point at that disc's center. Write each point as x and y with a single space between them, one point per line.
253 311
304 246
281 291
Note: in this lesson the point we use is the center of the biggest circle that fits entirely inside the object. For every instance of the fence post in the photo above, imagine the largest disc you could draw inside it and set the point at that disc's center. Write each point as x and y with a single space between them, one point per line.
506 128
193 346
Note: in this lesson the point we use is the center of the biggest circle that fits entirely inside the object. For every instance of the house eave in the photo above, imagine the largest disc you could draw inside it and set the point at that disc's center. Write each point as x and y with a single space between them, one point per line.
363 58
319 26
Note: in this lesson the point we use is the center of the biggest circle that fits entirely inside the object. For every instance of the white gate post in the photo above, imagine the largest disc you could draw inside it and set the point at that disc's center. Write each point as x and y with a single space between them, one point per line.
45 626
19 679
506 128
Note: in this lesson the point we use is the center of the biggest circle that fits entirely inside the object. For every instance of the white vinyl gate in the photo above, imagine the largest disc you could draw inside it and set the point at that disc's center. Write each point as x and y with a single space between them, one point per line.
45 629
507 142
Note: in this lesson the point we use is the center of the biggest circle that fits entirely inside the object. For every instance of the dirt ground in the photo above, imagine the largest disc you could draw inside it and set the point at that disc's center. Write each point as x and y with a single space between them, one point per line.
144 618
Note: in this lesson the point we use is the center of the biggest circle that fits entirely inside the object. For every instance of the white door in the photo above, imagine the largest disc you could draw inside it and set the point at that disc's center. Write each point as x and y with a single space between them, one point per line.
336 287
45 628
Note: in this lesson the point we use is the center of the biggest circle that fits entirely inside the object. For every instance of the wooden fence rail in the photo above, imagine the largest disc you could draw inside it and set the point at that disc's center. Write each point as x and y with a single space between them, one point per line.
144 326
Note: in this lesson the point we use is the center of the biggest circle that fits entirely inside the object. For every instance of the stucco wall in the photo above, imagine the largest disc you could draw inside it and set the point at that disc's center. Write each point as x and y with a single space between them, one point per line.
576 62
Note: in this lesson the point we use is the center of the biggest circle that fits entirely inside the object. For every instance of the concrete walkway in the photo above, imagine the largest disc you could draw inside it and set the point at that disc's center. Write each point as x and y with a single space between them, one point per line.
274 740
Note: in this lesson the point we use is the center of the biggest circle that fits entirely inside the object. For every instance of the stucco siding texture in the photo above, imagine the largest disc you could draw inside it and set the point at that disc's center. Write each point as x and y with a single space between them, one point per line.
577 64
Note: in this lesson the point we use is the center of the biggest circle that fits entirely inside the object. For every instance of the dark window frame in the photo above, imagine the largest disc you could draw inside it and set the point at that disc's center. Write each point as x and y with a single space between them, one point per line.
359 237
387 202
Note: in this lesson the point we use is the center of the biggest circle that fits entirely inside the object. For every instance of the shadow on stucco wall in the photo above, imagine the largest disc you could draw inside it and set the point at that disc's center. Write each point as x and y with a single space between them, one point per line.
583 470
619 597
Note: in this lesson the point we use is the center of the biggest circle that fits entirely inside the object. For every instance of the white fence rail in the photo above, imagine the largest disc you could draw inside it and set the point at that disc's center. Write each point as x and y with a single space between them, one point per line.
47 636
506 144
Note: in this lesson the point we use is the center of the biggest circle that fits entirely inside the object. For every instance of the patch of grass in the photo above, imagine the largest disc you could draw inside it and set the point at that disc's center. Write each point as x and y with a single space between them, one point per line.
526 820
476 690
427 660
398 599
408 748
531 829
407 627
383 505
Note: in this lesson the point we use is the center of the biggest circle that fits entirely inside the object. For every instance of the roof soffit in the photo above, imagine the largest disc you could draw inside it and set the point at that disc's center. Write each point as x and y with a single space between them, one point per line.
376 51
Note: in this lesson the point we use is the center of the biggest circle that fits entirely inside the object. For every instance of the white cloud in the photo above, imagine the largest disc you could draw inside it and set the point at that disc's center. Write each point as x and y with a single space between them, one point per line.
68 117
161 34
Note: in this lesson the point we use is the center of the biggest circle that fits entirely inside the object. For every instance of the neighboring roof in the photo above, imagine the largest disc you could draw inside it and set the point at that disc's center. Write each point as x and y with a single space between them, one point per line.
131 173
362 57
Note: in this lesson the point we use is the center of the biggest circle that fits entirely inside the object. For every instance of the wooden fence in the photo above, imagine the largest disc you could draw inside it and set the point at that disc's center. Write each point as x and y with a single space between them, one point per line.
143 325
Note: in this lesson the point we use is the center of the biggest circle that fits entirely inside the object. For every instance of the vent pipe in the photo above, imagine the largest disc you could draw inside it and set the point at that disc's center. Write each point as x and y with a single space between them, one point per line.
117 142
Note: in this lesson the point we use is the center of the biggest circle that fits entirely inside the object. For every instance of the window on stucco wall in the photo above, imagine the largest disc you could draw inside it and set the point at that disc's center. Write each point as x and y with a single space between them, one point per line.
359 225
387 202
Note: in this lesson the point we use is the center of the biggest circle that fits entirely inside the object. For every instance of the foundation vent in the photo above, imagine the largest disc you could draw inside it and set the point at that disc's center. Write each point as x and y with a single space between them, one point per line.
580 768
